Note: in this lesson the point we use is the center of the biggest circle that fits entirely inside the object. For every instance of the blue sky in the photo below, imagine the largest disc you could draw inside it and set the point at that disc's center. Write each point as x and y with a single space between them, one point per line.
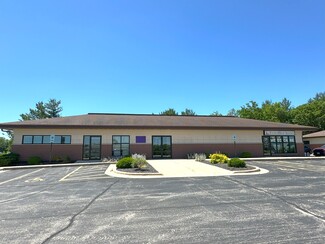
147 56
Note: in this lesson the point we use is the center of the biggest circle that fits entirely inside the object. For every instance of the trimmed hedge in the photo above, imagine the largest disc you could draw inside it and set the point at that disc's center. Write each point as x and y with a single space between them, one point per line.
245 155
34 160
125 163
236 163
9 159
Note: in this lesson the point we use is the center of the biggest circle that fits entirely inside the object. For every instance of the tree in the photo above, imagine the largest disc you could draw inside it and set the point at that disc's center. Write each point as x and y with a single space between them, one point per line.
188 112
318 96
233 112
250 111
4 144
53 108
169 112
216 113
311 113
277 111
43 110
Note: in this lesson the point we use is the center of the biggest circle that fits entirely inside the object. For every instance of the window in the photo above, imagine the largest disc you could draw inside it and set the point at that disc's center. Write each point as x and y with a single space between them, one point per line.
39 139
121 146
279 145
27 139
62 139
46 139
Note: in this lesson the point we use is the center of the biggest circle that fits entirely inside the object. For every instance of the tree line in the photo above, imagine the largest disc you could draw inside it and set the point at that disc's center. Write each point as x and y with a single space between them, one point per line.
311 113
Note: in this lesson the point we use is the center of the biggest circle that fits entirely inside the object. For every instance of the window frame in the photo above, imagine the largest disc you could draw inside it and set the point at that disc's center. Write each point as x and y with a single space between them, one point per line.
121 143
277 144
42 139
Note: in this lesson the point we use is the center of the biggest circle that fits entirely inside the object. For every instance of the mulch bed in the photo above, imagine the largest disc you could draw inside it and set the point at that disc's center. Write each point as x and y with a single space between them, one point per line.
148 169
225 166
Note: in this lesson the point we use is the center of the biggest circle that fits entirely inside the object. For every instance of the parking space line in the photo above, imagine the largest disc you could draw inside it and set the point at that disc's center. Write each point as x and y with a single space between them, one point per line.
62 179
86 173
294 166
21 176
90 178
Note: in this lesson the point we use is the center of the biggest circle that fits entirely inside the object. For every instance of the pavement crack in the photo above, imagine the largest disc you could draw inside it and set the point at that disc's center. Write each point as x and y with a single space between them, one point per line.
80 212
295 206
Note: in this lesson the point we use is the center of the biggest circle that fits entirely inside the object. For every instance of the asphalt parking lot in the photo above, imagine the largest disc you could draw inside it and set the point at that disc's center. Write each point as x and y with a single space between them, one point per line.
83 205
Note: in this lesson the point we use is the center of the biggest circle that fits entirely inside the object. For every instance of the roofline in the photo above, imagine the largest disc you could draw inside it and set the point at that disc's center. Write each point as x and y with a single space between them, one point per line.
179 115
10 127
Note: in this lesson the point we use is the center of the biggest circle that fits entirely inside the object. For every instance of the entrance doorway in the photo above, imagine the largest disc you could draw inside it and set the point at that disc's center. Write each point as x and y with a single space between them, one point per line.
92 148
161 147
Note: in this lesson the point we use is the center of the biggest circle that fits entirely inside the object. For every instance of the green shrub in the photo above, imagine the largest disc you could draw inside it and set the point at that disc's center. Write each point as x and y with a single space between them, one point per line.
245 155
139 161
124 163
8 159
218 158
236 163
59 159
66 159
34 160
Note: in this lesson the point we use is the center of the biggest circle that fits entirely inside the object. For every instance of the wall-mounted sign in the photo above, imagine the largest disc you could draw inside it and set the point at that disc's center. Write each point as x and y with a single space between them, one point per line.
140 139
279 133
52 138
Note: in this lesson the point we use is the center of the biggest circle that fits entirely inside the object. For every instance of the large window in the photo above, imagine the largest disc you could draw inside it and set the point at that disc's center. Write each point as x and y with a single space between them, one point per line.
38 139
273 145
121 146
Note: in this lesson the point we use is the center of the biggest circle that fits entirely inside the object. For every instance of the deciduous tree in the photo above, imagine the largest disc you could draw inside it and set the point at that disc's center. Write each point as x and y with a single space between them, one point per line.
169 112
188 112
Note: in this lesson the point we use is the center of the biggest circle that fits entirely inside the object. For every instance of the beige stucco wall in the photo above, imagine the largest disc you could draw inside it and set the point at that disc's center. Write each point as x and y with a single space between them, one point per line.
319 140
178 136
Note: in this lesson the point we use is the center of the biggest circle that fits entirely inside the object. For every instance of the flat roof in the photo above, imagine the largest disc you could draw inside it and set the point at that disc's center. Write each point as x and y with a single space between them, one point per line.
146 121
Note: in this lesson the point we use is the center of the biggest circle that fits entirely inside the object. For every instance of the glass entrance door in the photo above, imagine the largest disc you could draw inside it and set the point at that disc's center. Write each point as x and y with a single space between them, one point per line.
161 147
92 147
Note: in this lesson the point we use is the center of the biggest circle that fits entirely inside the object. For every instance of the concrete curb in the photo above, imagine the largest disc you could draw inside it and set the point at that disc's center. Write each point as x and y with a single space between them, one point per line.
52 165
257 169
135 174
282 158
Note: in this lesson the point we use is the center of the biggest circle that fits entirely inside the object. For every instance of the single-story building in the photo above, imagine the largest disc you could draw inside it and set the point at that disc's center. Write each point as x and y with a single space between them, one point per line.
315 139
95 136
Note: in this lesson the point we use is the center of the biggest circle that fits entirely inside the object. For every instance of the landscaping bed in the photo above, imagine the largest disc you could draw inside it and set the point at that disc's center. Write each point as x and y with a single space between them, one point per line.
147 169
225 166
222 161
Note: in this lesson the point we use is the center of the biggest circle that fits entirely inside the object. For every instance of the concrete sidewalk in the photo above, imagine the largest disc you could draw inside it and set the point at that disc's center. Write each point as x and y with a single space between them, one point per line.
186 168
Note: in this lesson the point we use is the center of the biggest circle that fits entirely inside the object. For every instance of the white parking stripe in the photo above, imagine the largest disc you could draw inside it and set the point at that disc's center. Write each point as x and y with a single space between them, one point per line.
70 173
19 177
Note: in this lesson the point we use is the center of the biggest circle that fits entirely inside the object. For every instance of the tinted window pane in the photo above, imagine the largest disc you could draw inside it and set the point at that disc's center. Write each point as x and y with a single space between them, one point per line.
125 139
46 139
27 139
37 140
66 139
116 139
57 140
